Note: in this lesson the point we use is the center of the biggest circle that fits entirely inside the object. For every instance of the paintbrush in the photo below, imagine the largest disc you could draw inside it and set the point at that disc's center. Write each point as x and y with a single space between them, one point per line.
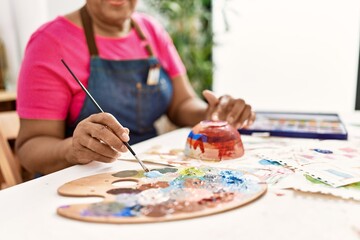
147 161
98 106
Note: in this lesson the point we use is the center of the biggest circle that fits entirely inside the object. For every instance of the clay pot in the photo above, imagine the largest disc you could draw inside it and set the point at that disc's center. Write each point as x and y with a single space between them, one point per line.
214 141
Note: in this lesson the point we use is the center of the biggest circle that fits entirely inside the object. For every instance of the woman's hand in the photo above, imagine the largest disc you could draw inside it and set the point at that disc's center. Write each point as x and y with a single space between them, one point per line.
235 111
98 138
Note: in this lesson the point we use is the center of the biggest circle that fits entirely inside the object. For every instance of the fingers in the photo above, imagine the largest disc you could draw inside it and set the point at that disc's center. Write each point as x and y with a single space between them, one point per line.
222 109
235 111
251 119
110 122
212 103
238 113
94 150
244 117
106 136
210 97
217 108
99 137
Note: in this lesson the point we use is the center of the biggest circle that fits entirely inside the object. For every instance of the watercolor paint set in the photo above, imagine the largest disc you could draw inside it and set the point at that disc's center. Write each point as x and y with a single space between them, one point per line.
298 125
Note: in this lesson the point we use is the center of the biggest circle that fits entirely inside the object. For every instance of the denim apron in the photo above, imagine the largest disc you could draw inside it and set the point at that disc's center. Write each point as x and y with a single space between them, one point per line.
121 88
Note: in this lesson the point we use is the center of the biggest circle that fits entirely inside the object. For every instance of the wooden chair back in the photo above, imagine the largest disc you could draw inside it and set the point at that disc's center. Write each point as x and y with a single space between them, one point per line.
10 169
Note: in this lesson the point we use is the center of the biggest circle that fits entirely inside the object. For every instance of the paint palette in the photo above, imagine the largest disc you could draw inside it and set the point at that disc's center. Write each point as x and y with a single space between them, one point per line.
164 194
300 125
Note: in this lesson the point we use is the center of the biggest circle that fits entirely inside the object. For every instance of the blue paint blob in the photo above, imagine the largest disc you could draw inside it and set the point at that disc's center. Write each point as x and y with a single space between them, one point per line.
177 183
136 208
324 151
153 174
269 162
232 177
125 212
198 136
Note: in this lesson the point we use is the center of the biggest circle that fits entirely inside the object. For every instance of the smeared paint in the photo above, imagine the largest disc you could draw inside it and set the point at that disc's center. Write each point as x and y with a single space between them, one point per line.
232 177
348 150
189 194
217 198
353 185
65 206
153 196
314 180
103 209
155 210
339 173
117 191
279 194
185 206
307 156
191 172
193 183
323 151
197 140
125 212
129 200
188 190
153 174
166 170
154 185
128 173
269 162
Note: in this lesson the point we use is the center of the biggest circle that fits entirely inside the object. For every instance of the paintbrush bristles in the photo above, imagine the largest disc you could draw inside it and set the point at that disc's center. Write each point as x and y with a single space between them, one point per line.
142 164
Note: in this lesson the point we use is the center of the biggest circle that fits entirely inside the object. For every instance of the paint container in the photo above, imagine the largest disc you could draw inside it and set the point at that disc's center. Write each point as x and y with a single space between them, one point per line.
214 141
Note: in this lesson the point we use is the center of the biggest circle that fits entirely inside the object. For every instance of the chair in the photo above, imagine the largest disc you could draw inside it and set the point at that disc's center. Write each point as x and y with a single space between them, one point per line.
10 169
164 125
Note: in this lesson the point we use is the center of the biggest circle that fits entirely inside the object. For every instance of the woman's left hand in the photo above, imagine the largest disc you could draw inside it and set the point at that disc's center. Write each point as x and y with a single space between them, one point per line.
235 111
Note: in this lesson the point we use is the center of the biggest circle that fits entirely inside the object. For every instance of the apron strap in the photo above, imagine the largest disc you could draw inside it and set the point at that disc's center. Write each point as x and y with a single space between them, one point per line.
89 31
142 37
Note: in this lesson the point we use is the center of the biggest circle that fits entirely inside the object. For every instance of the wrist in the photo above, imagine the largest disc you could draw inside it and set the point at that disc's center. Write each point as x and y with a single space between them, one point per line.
68 151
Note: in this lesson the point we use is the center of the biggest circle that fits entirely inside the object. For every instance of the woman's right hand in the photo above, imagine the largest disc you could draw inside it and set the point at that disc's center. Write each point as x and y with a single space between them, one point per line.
100 138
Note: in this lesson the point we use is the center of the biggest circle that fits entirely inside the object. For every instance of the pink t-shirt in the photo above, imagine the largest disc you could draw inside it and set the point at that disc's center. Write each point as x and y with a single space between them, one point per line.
46 90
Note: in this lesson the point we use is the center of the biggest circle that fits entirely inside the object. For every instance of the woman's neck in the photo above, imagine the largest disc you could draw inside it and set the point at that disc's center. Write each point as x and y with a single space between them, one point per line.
116 30
102 29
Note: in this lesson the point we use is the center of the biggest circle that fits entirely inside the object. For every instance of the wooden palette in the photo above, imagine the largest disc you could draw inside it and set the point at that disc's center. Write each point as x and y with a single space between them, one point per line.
164 194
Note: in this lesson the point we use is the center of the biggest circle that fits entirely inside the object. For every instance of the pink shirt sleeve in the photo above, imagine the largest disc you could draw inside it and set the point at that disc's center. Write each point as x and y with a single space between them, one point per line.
42 90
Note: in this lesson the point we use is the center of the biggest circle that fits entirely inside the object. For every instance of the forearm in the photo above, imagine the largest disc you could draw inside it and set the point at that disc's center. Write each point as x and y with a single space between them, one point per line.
189 112
45 154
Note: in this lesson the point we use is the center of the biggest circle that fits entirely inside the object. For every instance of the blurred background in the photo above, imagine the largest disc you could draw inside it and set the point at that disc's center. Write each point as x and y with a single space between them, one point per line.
279 55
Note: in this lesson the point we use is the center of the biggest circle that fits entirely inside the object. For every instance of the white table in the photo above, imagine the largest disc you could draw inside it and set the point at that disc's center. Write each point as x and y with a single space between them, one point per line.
28 211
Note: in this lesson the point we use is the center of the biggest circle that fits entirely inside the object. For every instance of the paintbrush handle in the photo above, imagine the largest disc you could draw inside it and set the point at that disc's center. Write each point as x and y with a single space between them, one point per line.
100 109
129 148
82 86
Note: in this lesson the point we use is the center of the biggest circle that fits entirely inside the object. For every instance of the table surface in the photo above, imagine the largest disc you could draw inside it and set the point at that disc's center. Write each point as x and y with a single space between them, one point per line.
28 211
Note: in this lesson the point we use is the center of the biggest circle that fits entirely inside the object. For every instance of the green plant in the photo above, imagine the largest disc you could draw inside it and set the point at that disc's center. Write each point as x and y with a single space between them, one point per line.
189 24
